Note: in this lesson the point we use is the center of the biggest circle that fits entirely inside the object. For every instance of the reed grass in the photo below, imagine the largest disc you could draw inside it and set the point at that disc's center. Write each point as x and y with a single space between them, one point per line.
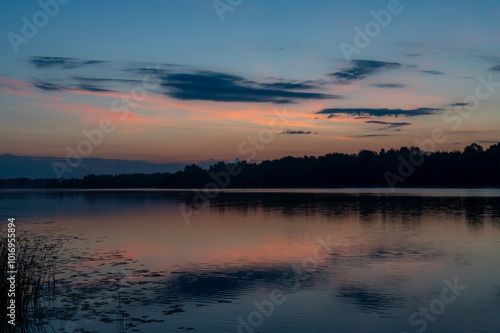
35 283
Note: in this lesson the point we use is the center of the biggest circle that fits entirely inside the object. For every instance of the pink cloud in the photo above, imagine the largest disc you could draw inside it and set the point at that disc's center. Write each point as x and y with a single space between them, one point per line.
30 95
11 82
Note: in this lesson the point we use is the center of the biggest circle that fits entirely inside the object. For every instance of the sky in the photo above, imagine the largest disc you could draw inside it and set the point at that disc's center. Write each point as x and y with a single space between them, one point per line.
169 82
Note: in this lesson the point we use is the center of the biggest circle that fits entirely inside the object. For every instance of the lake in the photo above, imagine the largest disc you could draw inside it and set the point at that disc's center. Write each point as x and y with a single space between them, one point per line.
309 260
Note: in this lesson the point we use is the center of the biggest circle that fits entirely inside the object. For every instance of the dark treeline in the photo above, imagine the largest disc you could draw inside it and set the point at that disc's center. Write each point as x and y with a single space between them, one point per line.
404 167
138 180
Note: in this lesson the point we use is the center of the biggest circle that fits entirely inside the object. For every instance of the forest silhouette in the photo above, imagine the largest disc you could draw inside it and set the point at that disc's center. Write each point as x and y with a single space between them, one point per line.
404 167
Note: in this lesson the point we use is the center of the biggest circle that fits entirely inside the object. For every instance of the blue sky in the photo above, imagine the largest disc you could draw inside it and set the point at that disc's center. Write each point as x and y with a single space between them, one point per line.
216 83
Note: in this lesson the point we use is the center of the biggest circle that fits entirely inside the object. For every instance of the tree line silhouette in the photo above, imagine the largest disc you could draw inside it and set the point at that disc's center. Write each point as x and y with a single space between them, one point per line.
404 167
472 167
138 180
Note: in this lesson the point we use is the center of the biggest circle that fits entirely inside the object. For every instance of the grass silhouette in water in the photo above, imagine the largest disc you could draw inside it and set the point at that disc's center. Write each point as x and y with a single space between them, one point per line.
34 283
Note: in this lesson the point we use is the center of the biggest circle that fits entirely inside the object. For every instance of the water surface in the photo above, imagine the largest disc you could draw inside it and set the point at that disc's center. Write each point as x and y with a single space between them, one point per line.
342 260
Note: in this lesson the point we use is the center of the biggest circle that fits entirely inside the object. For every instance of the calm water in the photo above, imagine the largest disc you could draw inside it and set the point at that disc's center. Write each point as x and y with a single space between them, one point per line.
363 260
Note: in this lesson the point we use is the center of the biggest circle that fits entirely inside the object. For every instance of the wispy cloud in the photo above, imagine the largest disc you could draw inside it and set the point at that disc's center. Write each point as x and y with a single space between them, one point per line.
94 80
221 87
61 62
362 69
369 135
278 48
334 112
457 104
388 85
298 132
50 86
90 87
387 123
433 72
290 85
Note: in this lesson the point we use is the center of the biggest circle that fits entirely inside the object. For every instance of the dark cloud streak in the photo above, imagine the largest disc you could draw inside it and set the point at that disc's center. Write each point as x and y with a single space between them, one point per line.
387 123
221 87
369 135
379 112
49 86
388 85
298 132
433 72
61 62
362 69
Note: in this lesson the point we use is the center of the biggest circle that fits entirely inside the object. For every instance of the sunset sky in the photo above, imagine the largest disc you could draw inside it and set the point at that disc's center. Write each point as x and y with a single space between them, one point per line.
198 78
